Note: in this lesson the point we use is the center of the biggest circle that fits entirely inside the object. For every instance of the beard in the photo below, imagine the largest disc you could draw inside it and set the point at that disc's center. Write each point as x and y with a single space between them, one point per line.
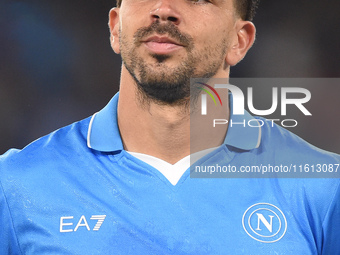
159 82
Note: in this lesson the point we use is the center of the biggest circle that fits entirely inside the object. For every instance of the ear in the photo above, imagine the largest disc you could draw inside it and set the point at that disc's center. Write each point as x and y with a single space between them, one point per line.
242 41
114 29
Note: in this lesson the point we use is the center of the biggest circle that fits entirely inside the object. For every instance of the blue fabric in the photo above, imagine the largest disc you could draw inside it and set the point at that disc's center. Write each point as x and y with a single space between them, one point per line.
58 196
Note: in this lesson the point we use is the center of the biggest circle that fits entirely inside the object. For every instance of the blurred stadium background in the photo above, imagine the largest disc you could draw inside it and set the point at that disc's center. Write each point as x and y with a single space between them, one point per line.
57 67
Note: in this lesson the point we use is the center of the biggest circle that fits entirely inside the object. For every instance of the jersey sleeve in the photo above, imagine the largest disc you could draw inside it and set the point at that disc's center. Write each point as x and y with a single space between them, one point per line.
8 240
331 226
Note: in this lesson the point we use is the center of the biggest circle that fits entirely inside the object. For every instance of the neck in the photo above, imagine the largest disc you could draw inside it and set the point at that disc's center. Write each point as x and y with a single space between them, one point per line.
163 131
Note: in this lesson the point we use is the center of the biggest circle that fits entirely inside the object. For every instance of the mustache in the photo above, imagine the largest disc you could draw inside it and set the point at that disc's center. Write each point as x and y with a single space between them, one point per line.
167 28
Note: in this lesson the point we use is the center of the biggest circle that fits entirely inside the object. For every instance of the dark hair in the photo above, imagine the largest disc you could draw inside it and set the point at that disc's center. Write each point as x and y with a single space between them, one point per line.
246 8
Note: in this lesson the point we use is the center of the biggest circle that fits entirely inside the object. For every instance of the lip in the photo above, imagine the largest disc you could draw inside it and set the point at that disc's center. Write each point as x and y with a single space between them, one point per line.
161 45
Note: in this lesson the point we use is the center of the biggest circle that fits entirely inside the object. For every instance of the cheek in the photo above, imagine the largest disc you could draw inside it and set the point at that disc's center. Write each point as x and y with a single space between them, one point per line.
211 31
213 41
126 35
136 12
129 27
127 21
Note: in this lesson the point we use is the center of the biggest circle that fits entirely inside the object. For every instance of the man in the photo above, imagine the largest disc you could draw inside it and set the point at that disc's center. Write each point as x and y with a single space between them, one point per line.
118 182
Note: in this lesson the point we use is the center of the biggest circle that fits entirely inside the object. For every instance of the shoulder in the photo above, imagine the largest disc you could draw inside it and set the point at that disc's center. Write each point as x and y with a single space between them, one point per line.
285 145
40 168
61 144
312 174
311 183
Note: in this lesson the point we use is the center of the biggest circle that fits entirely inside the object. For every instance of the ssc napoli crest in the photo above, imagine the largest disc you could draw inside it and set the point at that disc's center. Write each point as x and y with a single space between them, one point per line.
264 222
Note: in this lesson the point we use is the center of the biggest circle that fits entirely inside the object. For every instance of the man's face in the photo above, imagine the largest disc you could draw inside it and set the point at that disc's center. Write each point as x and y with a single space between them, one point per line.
164 43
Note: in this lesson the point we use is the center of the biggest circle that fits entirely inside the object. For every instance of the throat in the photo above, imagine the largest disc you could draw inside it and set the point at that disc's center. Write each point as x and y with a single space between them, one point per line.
170 143
160 131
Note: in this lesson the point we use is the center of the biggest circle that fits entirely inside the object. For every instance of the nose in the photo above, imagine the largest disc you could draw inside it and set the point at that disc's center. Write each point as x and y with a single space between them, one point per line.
164 11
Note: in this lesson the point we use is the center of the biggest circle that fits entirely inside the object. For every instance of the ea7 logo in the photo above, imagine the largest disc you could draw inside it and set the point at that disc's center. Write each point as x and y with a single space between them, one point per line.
66 224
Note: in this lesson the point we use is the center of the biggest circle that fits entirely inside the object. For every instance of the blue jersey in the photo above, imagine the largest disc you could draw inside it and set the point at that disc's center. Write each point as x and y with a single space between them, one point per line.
77 191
